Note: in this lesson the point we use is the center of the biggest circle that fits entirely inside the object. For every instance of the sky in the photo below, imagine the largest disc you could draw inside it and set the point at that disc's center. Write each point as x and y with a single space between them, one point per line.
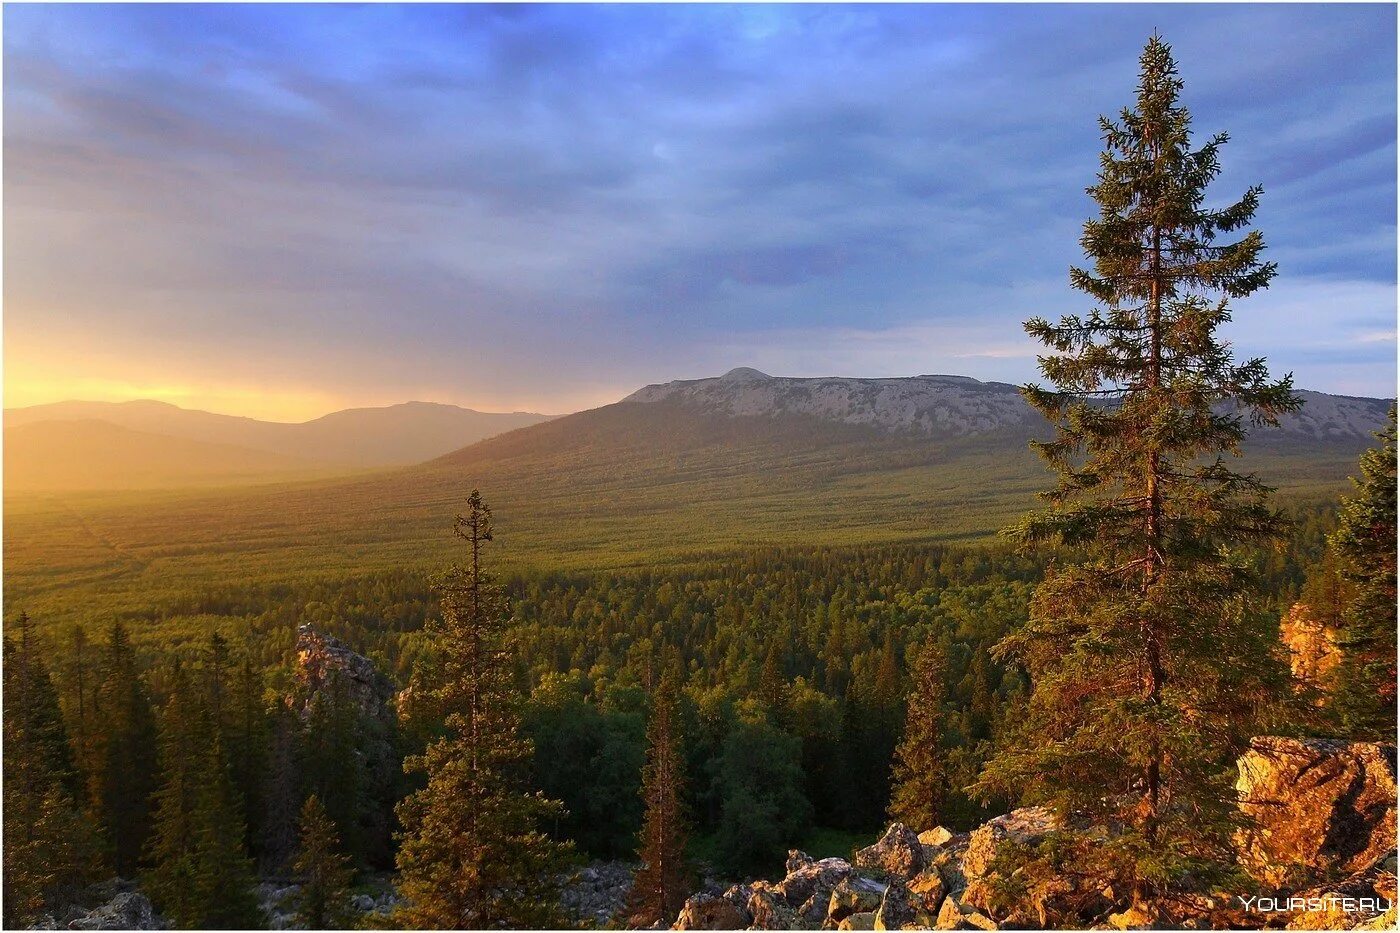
285 210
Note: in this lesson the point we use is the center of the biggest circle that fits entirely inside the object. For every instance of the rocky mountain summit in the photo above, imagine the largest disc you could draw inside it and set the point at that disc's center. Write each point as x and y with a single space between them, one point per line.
945 406
1320 846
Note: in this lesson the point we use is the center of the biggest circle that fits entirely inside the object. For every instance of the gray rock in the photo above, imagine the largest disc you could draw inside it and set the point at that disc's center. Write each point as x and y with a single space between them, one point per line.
898 854
129 910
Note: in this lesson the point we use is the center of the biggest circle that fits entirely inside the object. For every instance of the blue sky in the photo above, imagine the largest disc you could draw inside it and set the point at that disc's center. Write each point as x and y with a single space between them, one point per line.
282 210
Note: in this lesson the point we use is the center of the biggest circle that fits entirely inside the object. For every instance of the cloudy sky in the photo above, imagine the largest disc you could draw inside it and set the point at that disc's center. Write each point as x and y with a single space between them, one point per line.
282 210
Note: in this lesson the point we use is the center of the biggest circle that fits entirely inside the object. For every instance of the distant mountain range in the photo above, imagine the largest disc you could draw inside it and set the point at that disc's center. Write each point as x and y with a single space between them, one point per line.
946 406
668 473
184 446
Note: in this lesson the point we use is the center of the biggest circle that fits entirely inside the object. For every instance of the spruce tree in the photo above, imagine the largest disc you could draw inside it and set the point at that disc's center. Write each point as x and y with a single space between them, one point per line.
125 755
1146 659
919 782
662 883
200 877
473 855
1364 542
49 849
324 871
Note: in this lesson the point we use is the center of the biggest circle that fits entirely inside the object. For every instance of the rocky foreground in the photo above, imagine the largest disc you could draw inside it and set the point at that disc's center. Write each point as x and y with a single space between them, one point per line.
1321 846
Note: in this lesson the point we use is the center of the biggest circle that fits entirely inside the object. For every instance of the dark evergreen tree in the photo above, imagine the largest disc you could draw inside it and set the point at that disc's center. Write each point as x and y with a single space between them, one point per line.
49 849
200 876
1147 662
323 870
763 810
473 854
919 785
662 882
1364 542
125 753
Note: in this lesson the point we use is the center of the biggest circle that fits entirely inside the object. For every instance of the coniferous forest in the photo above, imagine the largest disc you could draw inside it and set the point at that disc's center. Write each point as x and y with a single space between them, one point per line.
457 745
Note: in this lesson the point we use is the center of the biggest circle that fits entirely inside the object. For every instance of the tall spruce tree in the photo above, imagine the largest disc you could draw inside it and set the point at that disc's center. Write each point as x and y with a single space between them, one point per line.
324 870
1146 661
1364 542
919 782
49 849
200 877
661 884
473 855
125 755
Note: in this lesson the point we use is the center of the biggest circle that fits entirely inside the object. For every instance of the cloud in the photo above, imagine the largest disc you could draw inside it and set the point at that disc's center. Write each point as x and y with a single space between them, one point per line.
550 202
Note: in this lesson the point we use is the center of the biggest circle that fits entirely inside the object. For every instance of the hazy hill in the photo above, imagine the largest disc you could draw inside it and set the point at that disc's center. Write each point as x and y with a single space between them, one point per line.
86 455
633 483
357 437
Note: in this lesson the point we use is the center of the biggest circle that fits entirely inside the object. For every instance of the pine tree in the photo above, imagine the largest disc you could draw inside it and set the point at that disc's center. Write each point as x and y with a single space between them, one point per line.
324 871
1146 659
472 854
919 784
1365 545
49 850
125 754
662 883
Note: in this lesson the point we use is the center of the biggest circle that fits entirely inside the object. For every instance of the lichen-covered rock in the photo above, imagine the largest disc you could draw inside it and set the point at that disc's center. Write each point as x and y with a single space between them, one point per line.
323 659
808 886
898 854
928 890
854 895
898 909
769 910
1028 825
811 879
129 910
727 911
865 920
597 892
938 836
1318 808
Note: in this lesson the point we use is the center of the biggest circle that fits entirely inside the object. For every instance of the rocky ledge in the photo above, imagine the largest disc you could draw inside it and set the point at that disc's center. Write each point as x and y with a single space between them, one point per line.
1321 843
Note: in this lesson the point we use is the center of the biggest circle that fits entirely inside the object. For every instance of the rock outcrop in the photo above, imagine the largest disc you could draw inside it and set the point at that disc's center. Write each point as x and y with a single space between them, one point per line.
1312 646
1322 845
1320 809
324 661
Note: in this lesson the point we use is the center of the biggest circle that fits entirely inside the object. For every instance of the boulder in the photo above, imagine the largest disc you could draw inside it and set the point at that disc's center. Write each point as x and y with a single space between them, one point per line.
1027 824
769 910
1318 808
797 859
927 891
938 836
898 909
898 854
955 915
864 920
727 911
854 895
129 910
812 879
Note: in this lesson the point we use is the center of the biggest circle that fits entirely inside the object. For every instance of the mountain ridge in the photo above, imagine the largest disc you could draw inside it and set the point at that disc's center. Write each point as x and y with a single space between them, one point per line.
944 404
393 435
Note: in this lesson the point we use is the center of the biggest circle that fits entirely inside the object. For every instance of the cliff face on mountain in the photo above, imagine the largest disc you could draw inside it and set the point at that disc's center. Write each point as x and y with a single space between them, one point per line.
947 406
1320 818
